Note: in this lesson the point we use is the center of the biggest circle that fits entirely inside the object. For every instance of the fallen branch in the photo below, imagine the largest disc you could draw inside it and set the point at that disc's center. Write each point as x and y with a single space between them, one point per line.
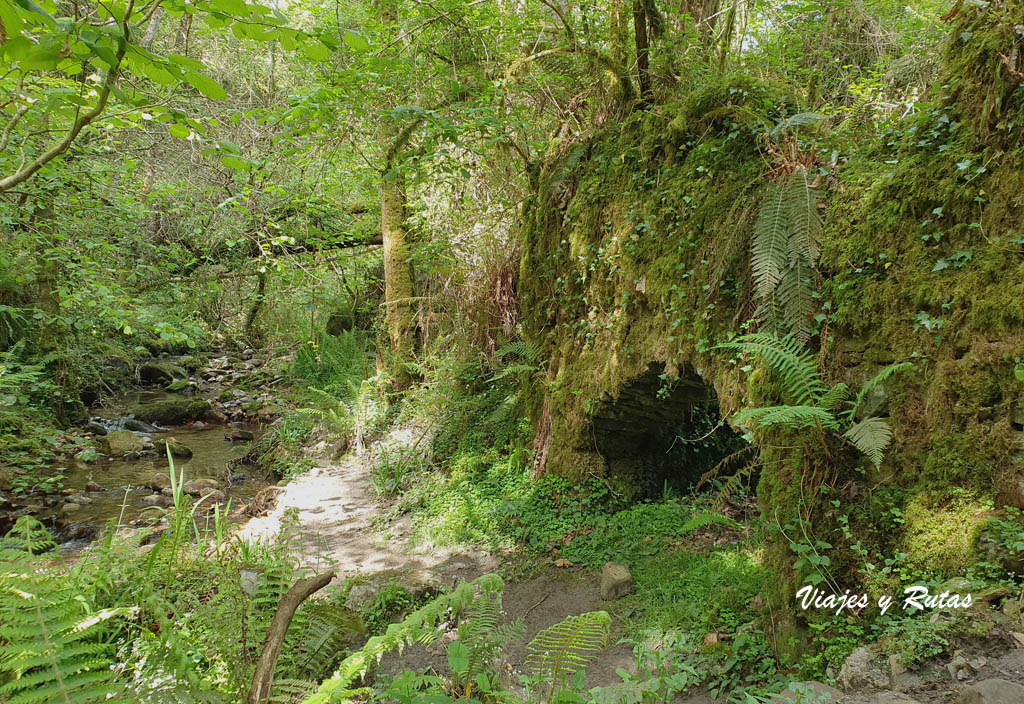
267 663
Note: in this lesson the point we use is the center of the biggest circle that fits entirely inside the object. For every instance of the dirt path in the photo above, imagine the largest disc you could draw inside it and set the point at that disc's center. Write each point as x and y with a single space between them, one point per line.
337 510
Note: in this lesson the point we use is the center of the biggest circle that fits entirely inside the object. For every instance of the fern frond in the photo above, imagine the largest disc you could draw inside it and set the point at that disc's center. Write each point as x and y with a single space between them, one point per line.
804 220
834 397
871 436
795 365
790 417
801 119
558 652
53 648
877 379
418 627
731 485
769 249
795 301
724 464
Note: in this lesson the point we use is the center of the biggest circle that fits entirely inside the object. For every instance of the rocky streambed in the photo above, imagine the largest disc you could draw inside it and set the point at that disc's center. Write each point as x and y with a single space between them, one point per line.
206 413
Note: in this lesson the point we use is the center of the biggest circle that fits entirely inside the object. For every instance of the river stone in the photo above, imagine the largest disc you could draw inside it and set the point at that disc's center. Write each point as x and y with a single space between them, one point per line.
860 671
177 449
893 698
93 486
993 691
197 487
175 411
156 500
178 385
95 428
616 581
160 373
159 482
239 435
210 498
121 442
138 426
69 508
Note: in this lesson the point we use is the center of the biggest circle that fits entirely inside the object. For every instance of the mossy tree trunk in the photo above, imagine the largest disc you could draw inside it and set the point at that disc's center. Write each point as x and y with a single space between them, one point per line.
399 277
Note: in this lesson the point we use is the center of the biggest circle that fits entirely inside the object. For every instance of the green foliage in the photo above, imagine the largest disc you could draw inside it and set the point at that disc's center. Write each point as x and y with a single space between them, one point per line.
418 627
54 645
812 404
482 636
784 249
558 652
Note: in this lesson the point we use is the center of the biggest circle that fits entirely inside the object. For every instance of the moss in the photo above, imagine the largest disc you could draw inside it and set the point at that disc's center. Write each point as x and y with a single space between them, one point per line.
942 530
174 411
961 458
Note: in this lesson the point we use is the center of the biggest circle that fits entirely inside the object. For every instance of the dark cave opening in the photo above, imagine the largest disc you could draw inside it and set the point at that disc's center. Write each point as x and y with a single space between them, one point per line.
662 435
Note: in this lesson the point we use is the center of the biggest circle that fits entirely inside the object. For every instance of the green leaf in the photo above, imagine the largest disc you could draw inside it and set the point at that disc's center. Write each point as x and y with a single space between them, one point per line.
458 658
205 85
235 162
1018 373
357 42
316 50
180 131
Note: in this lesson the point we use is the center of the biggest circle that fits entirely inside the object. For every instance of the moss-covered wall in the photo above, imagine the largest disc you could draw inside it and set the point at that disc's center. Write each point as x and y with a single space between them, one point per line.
636 252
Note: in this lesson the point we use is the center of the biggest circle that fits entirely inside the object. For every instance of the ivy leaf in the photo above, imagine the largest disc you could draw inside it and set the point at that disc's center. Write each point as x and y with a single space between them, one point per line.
940 265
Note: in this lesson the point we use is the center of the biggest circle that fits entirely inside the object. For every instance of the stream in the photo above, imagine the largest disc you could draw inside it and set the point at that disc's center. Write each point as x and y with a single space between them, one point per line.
129 484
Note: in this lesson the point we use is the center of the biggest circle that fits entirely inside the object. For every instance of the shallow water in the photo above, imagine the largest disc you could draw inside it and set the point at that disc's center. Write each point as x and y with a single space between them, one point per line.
125 481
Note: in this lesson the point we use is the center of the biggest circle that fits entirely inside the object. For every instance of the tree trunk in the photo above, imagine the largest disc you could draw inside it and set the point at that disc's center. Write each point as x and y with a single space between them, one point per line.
643 71
399 277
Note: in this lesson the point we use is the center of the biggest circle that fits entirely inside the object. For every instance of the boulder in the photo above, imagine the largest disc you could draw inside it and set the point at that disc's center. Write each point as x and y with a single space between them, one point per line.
616 581
175 411
993 691
120 442
69 508
156 500
198 487
419 583
138 426
178 385
177 449
159 373
860 671
95 428
159 482
240 435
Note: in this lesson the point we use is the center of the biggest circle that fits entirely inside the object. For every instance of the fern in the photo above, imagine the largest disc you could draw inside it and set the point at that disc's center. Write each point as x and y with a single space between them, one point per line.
786 356
54 649
320 633
770 247
802 119
559 652
792 417
871 436
879 378
418 627
813 405
785 248
481 637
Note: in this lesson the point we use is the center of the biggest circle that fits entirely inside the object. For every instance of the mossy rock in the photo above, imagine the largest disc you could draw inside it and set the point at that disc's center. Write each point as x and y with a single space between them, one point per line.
174 411
942 528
